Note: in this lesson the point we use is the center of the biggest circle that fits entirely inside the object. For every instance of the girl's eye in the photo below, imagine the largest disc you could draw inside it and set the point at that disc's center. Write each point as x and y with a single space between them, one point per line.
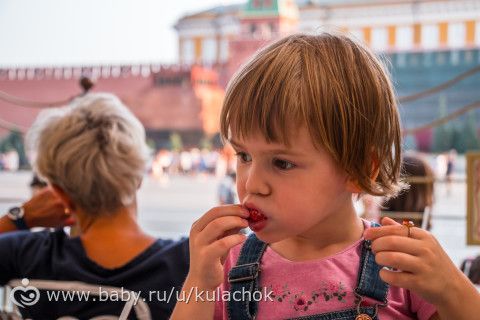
244 157
283 164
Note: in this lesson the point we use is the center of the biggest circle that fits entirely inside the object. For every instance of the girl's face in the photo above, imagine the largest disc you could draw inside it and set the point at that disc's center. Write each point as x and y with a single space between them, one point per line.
298 191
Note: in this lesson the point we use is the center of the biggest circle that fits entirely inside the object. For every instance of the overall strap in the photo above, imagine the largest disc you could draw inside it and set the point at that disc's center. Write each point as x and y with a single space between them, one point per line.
369 282
243 279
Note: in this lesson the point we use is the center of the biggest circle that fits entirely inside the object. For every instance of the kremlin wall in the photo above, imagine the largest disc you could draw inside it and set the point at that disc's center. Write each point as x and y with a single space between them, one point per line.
426 44
166 99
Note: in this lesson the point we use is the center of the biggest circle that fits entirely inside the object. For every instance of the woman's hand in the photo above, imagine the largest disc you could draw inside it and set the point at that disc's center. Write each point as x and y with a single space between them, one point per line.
46 209
211 237
423 267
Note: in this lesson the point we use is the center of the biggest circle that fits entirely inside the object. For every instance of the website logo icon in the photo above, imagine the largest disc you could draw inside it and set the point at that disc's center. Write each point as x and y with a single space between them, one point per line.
24 295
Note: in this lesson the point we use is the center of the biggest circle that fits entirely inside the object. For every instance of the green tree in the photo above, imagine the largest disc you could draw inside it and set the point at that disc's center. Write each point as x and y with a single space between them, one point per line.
466 135
151 143
206 143
442 135
176 143
443 138
14 141
458 139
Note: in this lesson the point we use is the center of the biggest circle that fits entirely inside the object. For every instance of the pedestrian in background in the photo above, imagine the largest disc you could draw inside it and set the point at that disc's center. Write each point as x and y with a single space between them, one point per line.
418 198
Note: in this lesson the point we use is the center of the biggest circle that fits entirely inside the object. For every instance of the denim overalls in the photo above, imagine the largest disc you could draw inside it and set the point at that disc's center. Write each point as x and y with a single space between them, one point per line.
244 276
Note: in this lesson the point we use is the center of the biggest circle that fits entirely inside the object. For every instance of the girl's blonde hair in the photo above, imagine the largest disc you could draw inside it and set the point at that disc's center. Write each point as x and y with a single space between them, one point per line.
93 149
336 88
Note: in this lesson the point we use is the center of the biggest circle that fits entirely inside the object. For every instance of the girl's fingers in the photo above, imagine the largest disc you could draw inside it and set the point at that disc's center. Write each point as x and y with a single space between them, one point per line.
398 244
232 231
218 228
398 260
386 221
397 279
212 214
394 230
221 247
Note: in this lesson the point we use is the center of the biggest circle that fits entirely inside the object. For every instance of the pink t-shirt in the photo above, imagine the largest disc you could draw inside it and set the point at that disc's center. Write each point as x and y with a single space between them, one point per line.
317 286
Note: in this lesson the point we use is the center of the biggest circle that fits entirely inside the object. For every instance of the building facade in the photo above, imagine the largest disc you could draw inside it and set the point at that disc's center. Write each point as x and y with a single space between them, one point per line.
385 25
424 43
166 99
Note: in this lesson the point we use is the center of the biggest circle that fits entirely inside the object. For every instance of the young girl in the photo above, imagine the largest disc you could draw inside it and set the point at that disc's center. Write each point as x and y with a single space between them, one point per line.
313 120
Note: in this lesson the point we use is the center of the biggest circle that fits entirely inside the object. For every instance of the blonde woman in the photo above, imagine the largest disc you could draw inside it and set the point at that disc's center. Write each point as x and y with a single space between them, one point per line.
93 154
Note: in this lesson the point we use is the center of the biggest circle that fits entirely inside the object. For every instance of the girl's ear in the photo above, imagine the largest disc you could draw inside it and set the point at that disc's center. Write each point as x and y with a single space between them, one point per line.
375 167
352 184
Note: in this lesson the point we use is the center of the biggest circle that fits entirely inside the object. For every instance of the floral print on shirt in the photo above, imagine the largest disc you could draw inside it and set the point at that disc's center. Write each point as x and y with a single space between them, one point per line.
300 301
331 290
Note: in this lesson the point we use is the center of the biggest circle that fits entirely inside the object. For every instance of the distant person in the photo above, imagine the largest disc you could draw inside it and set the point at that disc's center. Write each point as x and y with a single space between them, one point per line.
11 160
471 268
93 155
419 197
159 170
451 159
476 194
186 162
2 161
313 120
225 162
471 265
227 193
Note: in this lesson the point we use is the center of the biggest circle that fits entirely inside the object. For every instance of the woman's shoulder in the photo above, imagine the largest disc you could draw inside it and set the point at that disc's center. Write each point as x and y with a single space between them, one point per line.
163 254
37 240
166 254
34 248
26 253
170 245
168 250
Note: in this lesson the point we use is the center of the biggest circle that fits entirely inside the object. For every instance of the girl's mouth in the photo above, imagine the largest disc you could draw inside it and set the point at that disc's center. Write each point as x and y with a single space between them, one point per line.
257 220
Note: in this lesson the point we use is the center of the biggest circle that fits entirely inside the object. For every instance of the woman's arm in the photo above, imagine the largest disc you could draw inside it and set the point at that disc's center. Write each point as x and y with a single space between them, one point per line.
6 225
45 209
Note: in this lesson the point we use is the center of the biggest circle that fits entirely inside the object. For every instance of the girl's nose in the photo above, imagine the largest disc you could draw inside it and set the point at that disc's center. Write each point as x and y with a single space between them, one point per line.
257 182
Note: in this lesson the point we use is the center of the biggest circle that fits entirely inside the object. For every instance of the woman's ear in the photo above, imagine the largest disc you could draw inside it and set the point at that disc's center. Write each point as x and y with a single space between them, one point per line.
67 202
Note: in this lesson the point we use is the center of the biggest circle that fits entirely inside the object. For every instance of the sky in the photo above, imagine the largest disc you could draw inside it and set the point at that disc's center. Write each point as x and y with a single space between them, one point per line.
89 32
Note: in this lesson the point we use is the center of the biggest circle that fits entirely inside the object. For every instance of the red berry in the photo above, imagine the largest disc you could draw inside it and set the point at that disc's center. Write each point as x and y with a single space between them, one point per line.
255 216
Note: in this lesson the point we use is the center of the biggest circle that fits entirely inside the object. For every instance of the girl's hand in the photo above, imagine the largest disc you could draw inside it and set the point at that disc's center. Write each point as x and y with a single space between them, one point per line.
211 237
423 266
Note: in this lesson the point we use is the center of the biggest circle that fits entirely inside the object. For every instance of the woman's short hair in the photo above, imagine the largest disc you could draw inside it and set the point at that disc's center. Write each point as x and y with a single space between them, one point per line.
93 149
334 87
